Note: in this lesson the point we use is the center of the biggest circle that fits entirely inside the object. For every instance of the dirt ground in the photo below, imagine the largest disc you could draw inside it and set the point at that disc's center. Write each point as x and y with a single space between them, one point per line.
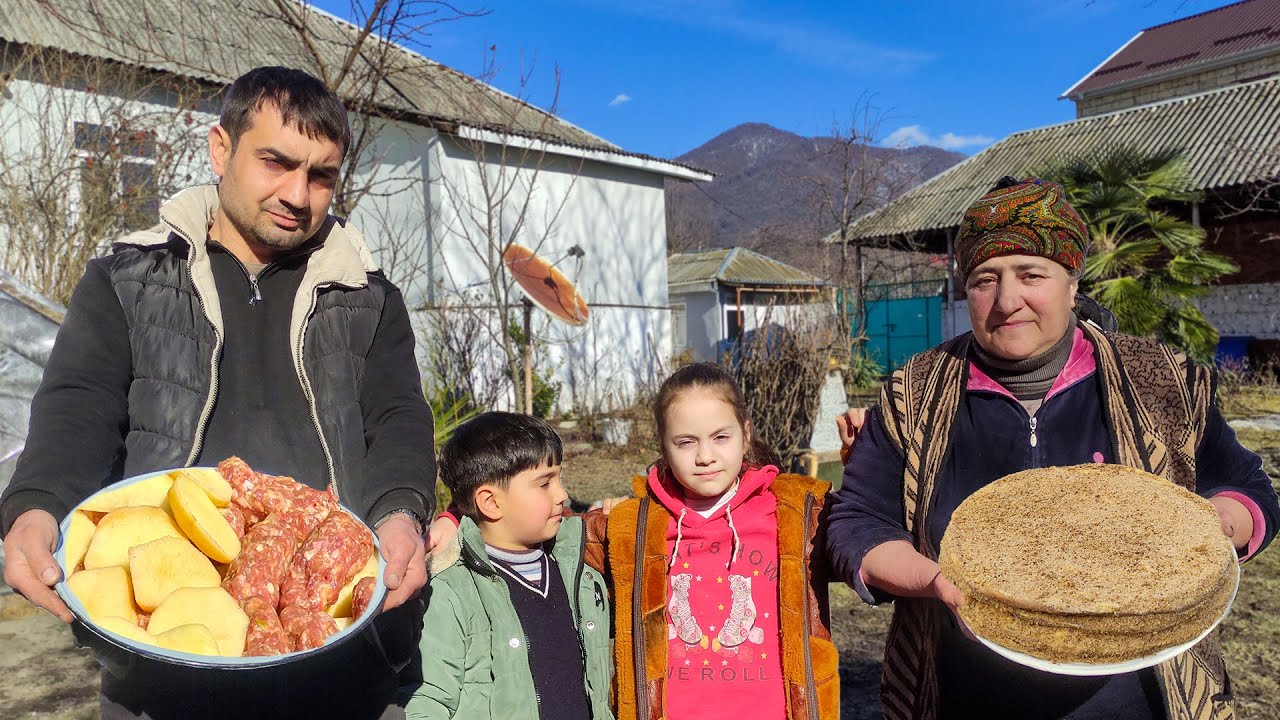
45 676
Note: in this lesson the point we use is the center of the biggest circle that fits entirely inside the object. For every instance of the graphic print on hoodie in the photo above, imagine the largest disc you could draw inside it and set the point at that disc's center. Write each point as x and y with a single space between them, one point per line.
722 602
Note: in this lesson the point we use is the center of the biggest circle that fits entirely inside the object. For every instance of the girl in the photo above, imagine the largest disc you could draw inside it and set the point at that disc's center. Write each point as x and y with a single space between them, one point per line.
720 600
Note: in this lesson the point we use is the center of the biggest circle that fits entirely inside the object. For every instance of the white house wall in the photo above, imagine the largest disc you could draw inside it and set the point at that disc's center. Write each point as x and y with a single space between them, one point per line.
702 323
38 121
415 218
616 215
394 211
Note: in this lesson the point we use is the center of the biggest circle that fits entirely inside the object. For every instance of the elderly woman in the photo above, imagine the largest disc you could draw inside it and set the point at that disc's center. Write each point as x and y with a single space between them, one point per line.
1030 386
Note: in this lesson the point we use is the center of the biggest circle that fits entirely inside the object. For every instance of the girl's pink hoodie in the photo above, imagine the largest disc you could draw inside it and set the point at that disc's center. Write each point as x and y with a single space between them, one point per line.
722 602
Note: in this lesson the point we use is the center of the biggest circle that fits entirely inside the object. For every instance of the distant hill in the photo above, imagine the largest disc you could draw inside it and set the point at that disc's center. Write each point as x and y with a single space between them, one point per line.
765 196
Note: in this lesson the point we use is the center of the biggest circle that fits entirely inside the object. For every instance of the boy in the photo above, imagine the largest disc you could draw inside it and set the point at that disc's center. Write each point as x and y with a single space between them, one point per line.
517 626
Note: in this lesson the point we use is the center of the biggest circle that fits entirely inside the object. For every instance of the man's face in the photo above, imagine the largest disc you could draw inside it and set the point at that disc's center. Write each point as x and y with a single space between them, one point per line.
277 182
1020 305
531 507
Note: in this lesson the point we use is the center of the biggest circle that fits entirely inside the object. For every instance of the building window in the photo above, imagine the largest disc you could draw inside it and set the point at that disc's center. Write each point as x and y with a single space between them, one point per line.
117 175
732 323
679 329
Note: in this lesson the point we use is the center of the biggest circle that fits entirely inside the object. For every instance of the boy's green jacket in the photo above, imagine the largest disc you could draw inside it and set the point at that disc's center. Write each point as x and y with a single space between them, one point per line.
474 658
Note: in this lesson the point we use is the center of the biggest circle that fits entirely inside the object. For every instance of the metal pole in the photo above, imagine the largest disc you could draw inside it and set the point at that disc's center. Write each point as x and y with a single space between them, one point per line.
528 357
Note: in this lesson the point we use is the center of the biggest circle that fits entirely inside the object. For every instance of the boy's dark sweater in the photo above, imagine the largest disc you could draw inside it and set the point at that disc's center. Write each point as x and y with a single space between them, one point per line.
555 654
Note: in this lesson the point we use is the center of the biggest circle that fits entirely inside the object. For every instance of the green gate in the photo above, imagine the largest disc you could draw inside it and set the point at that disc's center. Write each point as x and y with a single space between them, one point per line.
902 320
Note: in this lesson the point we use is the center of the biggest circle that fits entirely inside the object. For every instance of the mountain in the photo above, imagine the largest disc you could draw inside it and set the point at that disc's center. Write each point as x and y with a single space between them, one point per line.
767 193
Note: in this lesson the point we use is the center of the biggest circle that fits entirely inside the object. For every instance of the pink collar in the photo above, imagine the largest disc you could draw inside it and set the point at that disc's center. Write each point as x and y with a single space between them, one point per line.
1079 366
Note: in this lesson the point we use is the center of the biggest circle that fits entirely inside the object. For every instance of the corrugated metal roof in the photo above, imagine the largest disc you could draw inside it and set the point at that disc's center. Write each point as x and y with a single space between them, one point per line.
1242 27
218 40
1229 137
736 266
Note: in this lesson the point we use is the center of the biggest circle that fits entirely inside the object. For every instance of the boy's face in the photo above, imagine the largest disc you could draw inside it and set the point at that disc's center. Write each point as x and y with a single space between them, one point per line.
527 513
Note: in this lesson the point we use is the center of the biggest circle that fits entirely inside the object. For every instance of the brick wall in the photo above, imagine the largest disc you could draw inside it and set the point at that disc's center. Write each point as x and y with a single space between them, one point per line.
1244 310
1179 86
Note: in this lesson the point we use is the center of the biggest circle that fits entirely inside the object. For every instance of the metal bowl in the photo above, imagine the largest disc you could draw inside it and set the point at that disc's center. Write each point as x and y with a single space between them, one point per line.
153 652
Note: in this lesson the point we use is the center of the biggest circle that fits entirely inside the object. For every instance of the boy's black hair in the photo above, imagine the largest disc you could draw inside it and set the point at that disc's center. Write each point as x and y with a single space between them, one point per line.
303 101
492 448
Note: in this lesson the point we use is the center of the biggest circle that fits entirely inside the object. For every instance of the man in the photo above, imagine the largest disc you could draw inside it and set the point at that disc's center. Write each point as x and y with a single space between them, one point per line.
249 323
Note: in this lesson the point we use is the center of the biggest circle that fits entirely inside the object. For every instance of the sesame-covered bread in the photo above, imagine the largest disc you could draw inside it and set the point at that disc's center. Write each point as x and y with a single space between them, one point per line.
1092 563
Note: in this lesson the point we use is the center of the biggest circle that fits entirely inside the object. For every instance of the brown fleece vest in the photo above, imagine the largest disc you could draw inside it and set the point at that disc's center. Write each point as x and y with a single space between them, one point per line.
1155 424
632 542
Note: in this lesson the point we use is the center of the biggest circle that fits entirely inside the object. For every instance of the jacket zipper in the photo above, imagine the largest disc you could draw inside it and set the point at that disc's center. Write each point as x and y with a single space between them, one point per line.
575 604
1034 440
311 398
198 441
637 615
256 296
811 686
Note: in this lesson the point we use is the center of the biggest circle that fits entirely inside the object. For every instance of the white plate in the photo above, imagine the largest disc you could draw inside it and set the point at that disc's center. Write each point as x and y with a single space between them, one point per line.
1087 669
209 661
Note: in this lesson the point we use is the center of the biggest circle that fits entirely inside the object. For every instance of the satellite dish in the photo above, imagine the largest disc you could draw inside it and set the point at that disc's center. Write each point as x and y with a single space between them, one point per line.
545 286
549 289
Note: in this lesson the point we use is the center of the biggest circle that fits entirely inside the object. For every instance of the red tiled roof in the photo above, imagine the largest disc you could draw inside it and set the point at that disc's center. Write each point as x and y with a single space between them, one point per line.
1226 31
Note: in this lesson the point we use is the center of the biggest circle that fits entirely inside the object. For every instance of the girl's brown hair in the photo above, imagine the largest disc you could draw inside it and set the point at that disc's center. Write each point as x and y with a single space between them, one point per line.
711 377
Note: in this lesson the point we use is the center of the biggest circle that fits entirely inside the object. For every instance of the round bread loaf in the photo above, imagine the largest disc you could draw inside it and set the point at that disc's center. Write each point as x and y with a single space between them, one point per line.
1091 563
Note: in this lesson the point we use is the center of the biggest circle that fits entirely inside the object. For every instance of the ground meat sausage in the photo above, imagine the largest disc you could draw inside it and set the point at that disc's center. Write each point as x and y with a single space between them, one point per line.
307 628
362 595
266 634
326 561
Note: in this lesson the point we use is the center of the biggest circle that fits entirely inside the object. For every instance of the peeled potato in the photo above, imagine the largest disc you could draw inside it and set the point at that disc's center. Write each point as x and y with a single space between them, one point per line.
161 566
209 480
130 630
105 592
75 543
151 491
212 607
194 638
124 528
342 606
343 623
200 520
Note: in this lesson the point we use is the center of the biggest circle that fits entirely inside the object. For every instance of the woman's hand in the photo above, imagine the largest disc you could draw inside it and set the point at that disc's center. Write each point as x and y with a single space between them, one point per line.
897 568
848 426
1237 521
608 503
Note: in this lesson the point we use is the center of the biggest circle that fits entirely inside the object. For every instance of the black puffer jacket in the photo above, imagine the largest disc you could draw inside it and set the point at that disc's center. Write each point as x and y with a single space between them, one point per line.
322 369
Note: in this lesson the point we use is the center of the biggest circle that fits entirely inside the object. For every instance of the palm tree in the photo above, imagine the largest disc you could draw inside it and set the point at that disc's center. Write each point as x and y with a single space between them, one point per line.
1145 264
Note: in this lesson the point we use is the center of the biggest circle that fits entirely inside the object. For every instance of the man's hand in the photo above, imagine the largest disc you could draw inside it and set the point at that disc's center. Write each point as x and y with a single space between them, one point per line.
1237 521
406 557
849 425
29 566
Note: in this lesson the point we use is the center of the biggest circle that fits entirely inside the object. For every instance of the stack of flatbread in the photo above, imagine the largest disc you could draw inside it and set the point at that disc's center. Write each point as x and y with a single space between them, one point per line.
1088 564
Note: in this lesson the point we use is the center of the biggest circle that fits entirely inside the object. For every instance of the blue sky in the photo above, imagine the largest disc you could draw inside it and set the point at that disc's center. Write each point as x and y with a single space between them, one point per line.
664 76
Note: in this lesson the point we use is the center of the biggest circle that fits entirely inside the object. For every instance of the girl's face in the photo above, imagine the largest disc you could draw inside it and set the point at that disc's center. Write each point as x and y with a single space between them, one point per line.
703 442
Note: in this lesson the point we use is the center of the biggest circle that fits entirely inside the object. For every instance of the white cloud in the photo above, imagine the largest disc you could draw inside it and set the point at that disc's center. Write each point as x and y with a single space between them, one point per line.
620 99
913 135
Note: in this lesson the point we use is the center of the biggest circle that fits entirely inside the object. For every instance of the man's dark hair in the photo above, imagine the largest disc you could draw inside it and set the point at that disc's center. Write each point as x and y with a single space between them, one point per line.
302 100
492 448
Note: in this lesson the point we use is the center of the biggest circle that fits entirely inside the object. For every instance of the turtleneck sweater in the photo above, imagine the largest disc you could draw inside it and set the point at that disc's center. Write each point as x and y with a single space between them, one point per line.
1029 379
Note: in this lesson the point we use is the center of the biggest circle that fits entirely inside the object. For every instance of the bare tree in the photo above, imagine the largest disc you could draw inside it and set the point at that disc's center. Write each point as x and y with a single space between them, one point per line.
91 146
781 366
865 177
502 200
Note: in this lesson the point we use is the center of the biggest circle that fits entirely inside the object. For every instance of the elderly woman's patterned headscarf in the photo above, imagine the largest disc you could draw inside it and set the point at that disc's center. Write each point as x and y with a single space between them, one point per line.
1022 217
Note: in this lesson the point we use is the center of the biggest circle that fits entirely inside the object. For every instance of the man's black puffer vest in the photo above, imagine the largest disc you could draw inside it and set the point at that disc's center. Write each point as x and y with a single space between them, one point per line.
174 343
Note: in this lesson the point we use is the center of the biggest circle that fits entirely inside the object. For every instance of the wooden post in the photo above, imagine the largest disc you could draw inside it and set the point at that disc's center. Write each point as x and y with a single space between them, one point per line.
528 357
